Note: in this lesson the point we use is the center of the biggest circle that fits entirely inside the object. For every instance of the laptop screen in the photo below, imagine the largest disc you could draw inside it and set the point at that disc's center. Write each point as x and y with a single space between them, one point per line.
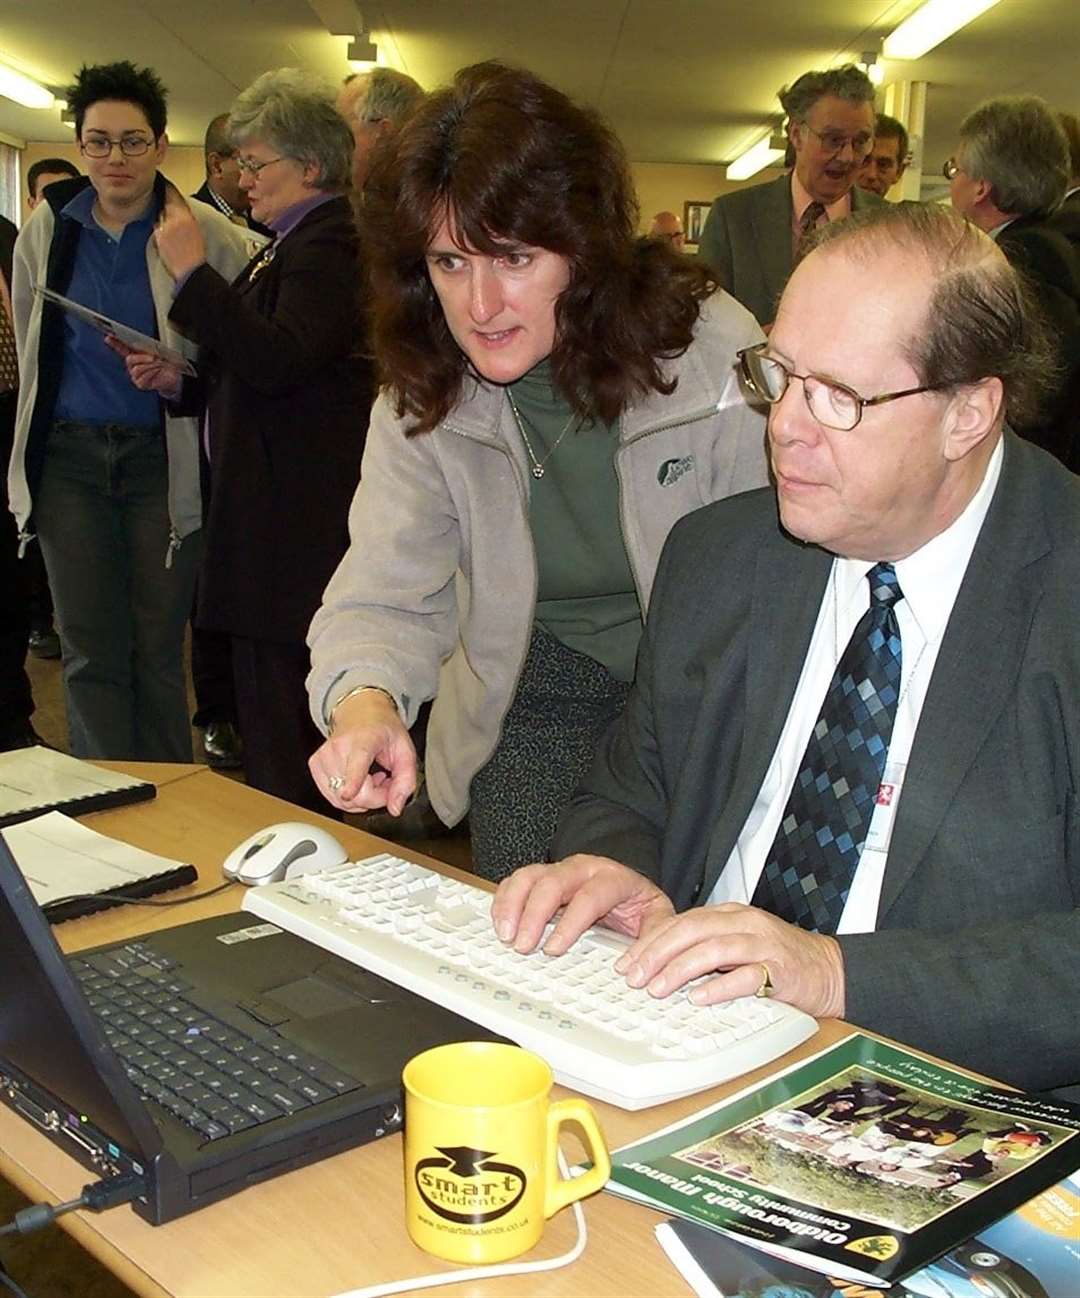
47 1031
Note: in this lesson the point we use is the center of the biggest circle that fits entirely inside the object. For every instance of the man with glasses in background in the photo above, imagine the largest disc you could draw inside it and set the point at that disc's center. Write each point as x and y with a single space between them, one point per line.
752 237
107 477
847 772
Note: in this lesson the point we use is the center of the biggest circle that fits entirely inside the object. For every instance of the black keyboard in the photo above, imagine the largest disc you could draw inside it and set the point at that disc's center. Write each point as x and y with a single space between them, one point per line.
213 1077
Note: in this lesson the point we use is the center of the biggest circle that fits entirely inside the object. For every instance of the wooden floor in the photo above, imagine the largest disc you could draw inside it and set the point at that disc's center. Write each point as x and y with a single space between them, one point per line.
49 1264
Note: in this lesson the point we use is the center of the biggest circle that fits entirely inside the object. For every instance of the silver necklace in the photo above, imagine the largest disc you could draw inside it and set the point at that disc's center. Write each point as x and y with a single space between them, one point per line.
537 465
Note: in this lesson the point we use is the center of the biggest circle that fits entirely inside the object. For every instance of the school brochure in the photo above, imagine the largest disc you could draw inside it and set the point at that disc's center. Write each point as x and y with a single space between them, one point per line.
1034 1252
139 342
864 1162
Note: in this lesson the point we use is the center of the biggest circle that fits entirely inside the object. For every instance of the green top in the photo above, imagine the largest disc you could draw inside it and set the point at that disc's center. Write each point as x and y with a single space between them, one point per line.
586 595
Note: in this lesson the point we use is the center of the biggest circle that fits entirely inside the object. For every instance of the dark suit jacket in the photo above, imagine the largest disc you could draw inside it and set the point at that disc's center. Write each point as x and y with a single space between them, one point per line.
204 195
1043 252
1067 218
8 234
289 388
977 953
747 242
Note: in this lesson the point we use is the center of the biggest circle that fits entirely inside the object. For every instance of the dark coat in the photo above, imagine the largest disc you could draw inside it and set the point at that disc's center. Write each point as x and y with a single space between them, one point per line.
1051 263
204 195
976 956
8 234
288 388
747 242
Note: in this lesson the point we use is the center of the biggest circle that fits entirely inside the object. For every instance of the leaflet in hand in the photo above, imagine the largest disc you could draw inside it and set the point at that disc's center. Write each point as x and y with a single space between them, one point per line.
864 1162
140 342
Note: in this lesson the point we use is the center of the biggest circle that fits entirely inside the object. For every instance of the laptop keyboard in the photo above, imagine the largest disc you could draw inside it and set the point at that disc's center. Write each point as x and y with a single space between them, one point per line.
214 1078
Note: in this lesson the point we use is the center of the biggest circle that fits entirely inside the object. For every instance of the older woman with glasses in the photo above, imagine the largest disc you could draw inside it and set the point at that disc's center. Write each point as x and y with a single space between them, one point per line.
559 393
287 389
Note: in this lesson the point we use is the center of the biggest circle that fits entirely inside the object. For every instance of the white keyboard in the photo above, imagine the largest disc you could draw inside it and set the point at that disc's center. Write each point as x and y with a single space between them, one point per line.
602 1037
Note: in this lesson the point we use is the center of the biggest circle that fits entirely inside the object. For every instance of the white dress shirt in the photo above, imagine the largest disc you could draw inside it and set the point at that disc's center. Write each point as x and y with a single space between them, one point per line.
930 579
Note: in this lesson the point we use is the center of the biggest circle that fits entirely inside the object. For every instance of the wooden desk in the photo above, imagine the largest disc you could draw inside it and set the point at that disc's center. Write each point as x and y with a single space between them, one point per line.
339 1224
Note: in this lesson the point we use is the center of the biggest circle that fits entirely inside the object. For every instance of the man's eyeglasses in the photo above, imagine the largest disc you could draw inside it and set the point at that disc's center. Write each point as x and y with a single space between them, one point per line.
101 146
832 404
950 169
253 168
836 141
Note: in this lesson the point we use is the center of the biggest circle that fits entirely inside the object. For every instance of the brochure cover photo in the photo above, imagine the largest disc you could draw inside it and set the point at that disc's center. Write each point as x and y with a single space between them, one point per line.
866 1161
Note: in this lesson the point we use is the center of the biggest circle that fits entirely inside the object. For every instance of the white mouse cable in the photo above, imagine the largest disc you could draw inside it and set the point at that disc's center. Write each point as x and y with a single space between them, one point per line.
483 1272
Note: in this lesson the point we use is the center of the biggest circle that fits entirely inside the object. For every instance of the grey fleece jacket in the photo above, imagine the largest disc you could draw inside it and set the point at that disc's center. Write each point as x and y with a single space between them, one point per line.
436 593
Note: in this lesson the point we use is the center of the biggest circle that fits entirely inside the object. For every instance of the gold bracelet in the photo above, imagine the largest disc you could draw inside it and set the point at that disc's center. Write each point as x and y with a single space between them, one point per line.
359 690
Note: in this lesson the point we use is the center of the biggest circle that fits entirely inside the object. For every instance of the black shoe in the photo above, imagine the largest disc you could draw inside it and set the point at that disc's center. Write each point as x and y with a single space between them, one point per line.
222 746
44 643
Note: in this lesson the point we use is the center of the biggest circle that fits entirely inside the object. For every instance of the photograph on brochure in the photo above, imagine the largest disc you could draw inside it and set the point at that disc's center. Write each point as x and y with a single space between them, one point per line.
865 1161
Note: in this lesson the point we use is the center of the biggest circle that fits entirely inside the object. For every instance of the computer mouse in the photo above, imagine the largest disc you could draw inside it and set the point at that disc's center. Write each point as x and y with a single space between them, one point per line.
282 851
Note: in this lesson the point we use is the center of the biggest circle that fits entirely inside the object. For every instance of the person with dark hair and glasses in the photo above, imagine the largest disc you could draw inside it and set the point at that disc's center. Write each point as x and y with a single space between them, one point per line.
105 477
753 237
847 770
558 392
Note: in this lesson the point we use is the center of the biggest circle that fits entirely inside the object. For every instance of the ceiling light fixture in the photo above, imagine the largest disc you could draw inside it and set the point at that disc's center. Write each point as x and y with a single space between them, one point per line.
873 69
930 25
769 149
23 89
362 53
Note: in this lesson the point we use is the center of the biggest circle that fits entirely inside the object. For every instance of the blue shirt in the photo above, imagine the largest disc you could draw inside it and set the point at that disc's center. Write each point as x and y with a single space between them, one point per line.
111 276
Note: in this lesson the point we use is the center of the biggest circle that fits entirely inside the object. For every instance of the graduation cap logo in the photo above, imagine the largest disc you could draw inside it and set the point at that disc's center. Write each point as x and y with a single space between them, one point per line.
469 1186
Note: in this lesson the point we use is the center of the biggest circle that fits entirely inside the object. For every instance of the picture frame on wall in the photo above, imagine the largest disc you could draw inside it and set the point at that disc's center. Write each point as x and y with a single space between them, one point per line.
694 215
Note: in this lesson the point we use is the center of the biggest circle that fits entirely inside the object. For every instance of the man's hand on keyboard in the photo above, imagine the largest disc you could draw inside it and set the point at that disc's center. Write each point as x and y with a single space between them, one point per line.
805 969
369 761
592 889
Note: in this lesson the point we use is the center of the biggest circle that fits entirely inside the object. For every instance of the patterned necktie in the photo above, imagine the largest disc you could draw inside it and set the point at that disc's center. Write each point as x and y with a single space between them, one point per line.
9 363
807 225
811 864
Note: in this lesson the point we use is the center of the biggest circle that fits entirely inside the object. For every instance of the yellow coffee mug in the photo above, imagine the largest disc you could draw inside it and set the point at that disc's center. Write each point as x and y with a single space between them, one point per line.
481 1135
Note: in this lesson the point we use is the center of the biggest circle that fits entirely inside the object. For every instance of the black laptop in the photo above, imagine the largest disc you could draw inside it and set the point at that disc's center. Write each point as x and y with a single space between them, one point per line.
203 1058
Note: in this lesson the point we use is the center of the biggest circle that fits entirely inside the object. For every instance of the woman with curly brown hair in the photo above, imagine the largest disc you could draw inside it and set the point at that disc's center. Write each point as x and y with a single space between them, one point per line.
558 393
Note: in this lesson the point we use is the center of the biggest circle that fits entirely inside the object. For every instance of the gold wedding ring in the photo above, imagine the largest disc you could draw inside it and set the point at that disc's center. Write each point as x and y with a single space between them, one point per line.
336 782
765 988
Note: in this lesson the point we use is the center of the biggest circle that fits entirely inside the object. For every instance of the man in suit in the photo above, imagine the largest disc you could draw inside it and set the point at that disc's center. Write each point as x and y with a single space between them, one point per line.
887 160
375 104
666 225
729 824
211 655
1009 174
1067 217
222 188
752 236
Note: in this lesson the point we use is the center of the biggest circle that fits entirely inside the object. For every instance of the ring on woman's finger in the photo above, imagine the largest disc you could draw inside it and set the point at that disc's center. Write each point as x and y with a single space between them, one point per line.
765 987
335 782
